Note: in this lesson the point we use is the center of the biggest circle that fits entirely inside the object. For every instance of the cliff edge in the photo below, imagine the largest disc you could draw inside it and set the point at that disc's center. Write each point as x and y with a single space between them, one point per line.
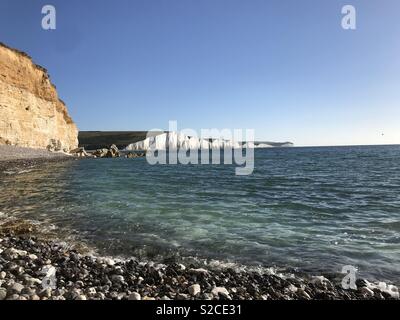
31 114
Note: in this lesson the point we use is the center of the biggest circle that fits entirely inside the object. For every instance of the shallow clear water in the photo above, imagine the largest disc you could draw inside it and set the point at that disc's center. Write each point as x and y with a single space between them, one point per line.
317 209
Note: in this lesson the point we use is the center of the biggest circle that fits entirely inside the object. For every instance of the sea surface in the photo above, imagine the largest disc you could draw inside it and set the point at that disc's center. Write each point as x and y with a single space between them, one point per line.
315 209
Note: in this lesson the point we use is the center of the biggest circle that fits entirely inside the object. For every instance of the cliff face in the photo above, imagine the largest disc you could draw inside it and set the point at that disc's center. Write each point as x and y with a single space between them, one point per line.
31 114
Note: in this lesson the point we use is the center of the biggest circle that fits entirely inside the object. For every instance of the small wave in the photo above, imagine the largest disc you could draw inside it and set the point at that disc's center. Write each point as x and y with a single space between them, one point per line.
10 172
238 267
390 289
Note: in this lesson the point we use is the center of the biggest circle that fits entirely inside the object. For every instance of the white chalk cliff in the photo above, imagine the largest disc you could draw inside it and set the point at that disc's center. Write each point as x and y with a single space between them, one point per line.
174 140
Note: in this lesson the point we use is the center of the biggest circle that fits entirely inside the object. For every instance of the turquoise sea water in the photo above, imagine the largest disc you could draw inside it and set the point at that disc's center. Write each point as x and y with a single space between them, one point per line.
316 209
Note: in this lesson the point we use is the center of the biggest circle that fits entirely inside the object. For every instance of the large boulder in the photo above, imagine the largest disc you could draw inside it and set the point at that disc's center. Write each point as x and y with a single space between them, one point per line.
101 153
79 152
54 145
113 152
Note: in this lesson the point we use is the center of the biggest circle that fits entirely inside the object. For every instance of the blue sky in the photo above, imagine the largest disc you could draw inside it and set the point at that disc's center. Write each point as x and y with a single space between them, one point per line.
285 68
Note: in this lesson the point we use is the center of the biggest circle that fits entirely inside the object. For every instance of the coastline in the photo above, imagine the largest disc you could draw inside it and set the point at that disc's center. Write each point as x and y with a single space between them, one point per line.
19 158
13 153
26 255
27 251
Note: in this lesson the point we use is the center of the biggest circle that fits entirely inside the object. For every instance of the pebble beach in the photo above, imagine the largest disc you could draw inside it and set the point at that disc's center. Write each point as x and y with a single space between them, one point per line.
24 261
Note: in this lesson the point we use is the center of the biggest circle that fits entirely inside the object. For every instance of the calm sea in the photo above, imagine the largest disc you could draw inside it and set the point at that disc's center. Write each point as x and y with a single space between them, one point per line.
316 209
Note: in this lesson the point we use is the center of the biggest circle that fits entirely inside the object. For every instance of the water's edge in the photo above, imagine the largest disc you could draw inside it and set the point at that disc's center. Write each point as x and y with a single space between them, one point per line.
81 273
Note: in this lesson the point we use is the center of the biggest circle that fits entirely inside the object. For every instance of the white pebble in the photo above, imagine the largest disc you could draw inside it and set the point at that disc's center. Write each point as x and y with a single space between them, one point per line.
194 289
220 291
134 296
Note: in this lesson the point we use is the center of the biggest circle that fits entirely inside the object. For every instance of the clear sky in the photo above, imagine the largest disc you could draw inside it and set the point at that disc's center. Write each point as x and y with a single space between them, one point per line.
285 68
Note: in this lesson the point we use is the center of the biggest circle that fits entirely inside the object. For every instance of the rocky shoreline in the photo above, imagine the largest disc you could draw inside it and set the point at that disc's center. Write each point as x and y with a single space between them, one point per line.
18 158
112 152
38 269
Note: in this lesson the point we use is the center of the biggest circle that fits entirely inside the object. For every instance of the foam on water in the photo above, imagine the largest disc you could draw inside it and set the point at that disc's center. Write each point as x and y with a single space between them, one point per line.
14 172
390 289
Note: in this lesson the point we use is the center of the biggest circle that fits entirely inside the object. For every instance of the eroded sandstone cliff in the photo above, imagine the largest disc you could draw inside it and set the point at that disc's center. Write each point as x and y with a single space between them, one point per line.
31 114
